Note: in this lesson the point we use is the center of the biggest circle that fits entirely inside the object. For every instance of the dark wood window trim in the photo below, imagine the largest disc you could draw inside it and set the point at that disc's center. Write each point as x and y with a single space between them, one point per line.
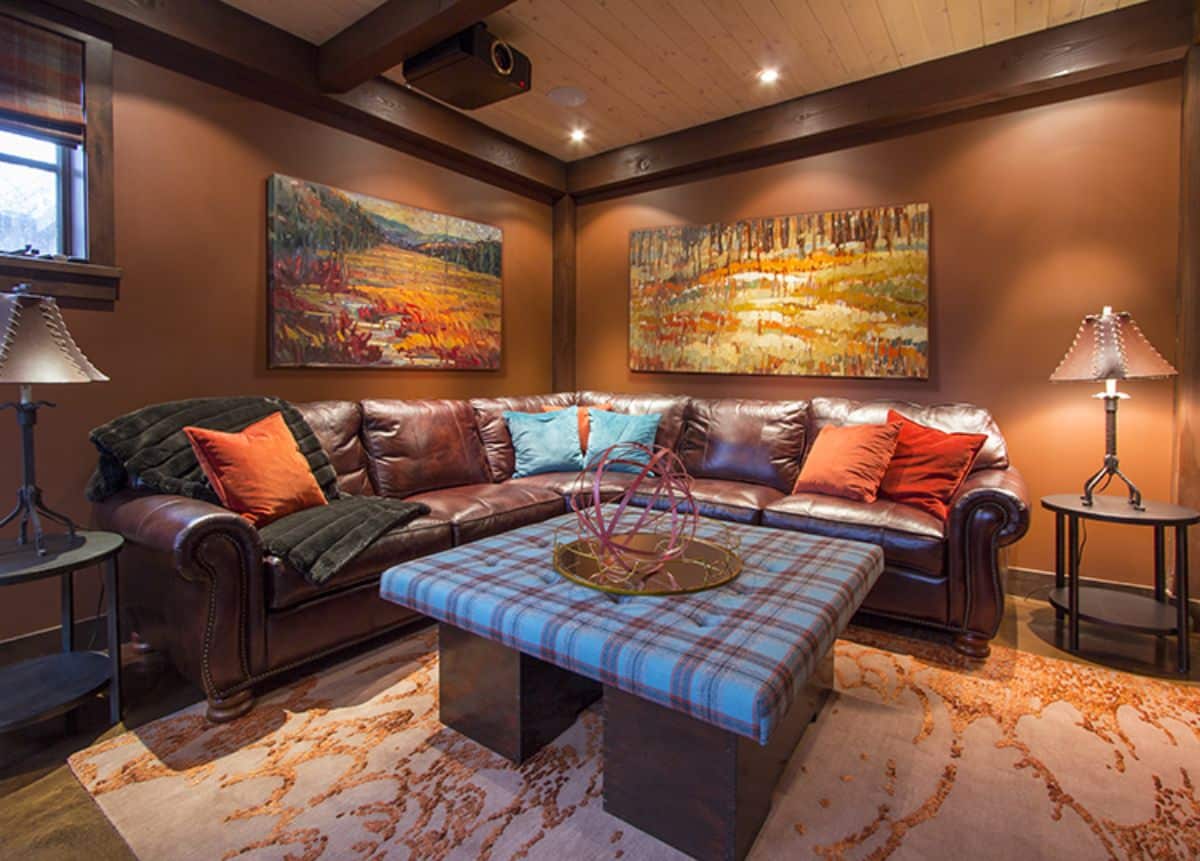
94 283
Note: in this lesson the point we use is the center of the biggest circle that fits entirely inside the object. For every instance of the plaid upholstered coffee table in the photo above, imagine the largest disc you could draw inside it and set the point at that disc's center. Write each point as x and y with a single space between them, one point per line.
705 695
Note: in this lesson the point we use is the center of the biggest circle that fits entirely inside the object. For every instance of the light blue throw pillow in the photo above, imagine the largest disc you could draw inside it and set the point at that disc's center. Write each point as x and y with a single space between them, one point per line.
545 442
606 429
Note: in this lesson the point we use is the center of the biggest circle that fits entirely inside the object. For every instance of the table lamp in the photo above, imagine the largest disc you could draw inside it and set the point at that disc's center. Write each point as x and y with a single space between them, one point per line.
1110 347
35 348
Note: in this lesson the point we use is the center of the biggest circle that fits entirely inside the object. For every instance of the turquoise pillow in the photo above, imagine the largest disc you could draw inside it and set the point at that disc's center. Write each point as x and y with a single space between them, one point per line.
545 442
608 428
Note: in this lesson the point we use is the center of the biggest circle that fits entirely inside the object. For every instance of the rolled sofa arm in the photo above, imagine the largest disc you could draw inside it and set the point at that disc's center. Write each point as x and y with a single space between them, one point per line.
990 511
211 606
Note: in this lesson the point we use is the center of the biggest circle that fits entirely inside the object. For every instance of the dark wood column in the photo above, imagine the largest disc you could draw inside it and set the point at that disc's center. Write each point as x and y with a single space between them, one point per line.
563 326
1187 403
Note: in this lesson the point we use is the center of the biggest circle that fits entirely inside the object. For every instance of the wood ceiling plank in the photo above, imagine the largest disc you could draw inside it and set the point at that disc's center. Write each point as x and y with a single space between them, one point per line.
905 30
1063 11
1096 7
1031 15
634 34
732 52
966 24
816 43
999 20
801 69
833 20
872 31
1149 39
938 28
390 34
678 30
555 21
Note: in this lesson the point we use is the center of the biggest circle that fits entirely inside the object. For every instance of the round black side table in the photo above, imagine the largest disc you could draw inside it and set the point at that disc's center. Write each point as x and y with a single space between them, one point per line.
1100 603
50 685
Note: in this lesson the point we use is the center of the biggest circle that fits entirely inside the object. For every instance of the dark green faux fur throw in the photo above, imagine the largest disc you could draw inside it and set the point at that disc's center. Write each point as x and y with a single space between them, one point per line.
320 540
148 450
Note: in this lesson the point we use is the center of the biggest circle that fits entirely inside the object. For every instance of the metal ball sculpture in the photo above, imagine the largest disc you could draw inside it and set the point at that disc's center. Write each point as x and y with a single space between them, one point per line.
630 543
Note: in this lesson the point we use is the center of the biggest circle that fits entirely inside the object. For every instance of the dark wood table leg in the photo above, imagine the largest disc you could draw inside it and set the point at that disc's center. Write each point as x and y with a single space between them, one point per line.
1181 596
699 788
67 610
507 701
1073 584
111 580
1060 558
1160 563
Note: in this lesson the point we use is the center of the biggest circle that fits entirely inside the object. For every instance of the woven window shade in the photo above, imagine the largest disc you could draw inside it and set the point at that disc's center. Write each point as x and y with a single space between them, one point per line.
41 81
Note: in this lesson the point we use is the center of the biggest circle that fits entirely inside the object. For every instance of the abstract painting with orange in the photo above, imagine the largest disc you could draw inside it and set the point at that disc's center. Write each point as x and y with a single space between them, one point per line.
355 281
827 294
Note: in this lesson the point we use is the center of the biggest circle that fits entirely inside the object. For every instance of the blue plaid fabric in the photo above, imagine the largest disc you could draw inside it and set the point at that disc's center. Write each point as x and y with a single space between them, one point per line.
733 656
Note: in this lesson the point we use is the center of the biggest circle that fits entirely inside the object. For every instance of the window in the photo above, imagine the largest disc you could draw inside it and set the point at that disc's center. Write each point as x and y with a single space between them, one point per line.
39 206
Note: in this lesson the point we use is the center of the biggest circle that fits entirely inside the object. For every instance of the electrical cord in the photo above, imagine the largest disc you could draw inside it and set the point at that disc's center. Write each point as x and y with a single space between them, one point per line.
95 616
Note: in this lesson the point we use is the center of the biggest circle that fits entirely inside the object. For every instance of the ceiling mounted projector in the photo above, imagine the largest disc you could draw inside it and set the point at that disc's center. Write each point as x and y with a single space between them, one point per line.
470 70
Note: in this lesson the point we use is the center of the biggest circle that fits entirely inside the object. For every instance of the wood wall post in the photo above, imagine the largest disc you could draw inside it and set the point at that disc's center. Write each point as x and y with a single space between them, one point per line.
563 325
1187 391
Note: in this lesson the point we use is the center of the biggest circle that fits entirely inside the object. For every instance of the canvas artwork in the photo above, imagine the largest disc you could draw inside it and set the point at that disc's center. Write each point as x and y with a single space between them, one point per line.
839 294
355 281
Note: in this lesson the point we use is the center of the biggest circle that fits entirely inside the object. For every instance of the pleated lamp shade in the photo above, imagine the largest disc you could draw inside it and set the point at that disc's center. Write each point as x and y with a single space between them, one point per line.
35 346
1110 346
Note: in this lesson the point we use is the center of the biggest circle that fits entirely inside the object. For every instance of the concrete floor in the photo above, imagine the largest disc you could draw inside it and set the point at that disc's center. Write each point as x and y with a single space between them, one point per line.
45 814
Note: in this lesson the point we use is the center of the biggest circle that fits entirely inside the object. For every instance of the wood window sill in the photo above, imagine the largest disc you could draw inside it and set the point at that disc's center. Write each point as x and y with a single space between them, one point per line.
73 284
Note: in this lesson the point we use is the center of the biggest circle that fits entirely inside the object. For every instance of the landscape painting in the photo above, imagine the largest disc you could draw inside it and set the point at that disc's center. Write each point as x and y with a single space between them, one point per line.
355 281
829 294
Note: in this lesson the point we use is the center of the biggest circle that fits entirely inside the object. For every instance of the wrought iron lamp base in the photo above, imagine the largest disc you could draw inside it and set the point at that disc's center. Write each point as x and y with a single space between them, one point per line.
30 507
1112 467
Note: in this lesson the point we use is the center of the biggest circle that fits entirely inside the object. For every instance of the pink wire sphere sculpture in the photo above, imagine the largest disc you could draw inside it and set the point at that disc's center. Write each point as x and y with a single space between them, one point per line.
618 529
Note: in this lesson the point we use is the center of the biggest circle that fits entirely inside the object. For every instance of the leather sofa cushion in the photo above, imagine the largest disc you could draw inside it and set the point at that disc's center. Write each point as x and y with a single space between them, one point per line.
728 500
672 408
479 510
337 425
414 446
951 418
910 538
493 429
287 587
761 442
566 483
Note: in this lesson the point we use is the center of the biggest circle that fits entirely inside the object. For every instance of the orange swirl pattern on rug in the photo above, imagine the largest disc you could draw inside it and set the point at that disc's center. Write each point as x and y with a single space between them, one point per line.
920 754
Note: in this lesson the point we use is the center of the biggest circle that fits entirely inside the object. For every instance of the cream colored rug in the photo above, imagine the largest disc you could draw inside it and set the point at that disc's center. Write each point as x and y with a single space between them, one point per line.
918 755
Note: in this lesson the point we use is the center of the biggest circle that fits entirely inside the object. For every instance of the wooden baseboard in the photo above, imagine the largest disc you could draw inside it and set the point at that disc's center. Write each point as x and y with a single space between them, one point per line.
88 632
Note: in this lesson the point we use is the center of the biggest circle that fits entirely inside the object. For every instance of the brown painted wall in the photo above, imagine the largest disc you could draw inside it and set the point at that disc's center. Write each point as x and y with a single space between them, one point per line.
1039 216
191 165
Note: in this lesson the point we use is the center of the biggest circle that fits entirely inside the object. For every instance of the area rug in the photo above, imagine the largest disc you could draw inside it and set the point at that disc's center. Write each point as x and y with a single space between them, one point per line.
917 755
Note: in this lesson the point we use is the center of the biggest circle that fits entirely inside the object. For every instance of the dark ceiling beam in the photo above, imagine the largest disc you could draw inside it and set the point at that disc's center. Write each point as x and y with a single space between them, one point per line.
384 38
1139 37
221 45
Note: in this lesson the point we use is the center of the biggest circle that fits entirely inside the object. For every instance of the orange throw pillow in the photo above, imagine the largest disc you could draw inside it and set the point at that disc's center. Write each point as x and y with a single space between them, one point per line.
848 461
929 466
584 424
258 473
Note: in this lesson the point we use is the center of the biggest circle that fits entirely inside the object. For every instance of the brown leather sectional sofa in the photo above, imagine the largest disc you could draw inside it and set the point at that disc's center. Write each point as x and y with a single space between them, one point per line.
200 587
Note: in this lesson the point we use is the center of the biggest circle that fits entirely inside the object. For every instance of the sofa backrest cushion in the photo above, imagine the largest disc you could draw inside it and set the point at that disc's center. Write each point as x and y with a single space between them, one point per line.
414 446
493 429
672 408
337 425
951 418
761 442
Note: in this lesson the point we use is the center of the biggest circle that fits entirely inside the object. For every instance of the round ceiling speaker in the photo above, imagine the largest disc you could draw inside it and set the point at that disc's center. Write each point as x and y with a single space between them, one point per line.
568 97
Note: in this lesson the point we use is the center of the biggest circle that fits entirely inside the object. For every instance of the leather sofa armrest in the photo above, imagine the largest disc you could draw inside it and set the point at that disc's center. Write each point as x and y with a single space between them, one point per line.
215 607
173 524
1003 489
990 511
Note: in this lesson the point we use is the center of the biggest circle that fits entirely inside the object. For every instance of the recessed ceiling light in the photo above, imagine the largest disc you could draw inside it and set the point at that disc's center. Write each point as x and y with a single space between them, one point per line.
578 135
768 76
568 97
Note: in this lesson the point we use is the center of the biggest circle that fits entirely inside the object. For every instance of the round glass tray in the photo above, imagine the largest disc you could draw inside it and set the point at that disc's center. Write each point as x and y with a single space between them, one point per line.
703 565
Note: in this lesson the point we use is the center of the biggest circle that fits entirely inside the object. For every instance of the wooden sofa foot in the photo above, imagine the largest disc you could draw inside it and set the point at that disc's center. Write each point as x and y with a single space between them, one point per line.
972 645
223 710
